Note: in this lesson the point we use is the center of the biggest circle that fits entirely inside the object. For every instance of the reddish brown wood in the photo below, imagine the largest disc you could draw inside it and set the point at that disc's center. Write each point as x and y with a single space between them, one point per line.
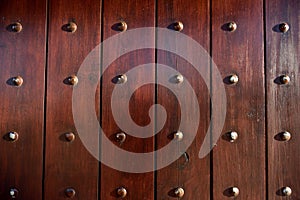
282 56
68 164
241 163
135 13
71 172
22 108
192 176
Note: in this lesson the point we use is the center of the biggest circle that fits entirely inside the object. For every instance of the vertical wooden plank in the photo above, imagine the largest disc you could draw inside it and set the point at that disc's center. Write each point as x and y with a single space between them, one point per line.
22 108
282 56
136 13
240 163
68 164
193 174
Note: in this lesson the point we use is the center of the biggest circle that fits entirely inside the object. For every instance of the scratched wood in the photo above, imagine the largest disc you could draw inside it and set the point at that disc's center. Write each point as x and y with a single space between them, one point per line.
241 163
282 58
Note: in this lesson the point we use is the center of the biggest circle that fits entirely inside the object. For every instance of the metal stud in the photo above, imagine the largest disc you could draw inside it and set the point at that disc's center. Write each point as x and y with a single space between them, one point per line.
232 26
179 78
233 79
17 81
179 192
234 191
284 27
178 26
71 27
121 79
70 192
233 136
13 193
121 192
13 136
285 79
121 137
72 80
286 191
122 26
16 27
178 136
70 136
286 136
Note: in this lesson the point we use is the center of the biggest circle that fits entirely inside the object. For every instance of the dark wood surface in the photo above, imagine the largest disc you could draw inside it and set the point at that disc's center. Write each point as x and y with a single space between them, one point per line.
282 57
22 108
136 13
42 164
241 163
192 176
68 164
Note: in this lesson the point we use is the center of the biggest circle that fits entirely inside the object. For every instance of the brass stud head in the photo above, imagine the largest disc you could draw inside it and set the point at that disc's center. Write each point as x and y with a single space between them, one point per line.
234 191
121 79
122 26
178 26
233 79
121 137
71 27
72 80
287 191
178 136
232 26
179 192
13 193
70 136
13 136
17 81
70 192
285 79
121 192
286 136
284 27
179 78
233 136
16 27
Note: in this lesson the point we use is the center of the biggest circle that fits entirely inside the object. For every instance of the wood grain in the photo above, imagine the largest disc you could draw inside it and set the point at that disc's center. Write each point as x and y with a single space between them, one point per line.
259 108
193 176
136 14
282 56
68 164
241 163
22 108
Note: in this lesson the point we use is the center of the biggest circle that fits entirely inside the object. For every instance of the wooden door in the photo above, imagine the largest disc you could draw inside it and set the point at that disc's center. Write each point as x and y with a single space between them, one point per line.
22 81
252 44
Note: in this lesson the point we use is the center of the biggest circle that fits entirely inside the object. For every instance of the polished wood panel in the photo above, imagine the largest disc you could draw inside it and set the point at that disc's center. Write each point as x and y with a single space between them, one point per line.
190 172
22 108
136 13
282 56
68 164
241 163
49 161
